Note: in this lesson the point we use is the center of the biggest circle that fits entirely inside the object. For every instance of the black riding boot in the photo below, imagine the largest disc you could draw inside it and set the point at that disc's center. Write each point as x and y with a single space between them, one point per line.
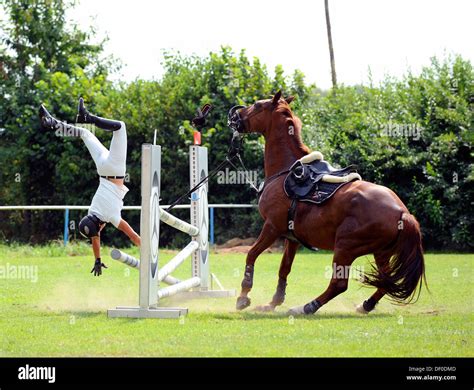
51 123
84 116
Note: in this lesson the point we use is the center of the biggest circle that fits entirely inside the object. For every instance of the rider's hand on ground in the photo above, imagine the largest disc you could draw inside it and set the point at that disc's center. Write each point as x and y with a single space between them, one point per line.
97 269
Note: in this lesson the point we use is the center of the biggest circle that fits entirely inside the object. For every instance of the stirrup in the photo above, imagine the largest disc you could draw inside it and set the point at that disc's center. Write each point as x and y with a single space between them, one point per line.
84 116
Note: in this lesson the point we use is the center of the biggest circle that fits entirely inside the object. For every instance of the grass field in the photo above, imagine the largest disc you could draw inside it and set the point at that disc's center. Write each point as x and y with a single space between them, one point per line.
61 311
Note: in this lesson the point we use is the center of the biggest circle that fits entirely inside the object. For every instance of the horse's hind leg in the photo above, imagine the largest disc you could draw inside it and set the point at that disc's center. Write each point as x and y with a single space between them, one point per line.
267 237
285 269
339 281
367 306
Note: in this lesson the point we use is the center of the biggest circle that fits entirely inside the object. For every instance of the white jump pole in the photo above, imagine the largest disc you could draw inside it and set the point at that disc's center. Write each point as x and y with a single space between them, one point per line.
124 258
176 261
135 263
178 224
179 287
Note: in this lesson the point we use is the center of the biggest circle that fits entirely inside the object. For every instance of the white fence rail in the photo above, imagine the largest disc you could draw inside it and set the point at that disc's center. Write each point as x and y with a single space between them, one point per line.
66 209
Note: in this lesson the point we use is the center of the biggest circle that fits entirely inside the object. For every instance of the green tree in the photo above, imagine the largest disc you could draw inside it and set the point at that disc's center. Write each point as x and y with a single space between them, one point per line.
414 136
46 59
223 79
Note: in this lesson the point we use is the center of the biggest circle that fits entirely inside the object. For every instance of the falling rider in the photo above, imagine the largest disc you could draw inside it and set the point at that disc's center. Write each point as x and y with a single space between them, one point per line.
107 202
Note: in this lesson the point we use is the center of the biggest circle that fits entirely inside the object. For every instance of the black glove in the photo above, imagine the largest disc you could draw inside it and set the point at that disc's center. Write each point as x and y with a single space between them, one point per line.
97 269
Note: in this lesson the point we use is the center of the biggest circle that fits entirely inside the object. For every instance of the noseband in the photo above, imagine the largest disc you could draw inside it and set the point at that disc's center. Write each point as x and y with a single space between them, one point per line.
234 121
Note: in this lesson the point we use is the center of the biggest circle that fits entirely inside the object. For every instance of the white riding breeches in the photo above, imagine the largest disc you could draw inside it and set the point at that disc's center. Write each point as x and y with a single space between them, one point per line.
112 161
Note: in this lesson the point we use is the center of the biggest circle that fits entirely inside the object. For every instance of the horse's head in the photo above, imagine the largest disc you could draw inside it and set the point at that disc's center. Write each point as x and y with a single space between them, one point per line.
257 118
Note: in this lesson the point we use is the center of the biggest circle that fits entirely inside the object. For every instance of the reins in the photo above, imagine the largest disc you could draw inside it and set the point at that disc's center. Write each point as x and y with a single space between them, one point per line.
233 152
211 174
231 155
271 178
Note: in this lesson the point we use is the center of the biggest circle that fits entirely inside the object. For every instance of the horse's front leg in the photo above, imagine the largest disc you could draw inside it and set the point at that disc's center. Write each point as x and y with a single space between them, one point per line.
285 269
267 237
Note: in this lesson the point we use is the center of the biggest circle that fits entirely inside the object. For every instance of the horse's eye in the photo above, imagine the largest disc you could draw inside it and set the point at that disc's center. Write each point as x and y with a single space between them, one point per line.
257 105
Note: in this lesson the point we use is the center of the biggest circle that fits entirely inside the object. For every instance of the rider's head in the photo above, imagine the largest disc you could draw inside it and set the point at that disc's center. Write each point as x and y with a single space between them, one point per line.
90 226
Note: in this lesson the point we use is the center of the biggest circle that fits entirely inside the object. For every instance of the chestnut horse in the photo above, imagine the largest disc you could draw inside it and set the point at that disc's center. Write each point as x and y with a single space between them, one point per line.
361 218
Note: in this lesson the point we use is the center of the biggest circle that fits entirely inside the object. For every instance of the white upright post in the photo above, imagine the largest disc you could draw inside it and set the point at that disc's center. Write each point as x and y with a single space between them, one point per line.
150 225
200 214
149 232
198 170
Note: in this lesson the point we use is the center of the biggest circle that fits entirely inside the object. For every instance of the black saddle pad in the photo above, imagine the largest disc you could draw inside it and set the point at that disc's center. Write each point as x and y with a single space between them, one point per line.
304 181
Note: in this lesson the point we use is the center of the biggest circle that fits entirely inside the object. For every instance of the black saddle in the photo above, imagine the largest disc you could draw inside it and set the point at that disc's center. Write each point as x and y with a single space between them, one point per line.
304 181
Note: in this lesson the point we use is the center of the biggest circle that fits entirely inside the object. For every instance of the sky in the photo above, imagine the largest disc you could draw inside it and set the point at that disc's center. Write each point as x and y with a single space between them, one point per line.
387 36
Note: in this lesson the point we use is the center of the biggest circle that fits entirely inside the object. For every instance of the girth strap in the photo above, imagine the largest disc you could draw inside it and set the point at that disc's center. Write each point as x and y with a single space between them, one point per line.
291 226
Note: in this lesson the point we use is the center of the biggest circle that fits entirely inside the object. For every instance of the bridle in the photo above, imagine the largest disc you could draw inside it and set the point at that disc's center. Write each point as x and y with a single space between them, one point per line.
234 120
237 124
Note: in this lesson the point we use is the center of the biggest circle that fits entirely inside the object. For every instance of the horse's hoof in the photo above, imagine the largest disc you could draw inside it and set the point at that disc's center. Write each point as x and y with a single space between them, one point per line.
277 301
296 311
265 308
360 309
242 303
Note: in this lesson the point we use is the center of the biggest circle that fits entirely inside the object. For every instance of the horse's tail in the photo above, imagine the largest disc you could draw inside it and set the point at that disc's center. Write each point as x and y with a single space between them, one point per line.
405 269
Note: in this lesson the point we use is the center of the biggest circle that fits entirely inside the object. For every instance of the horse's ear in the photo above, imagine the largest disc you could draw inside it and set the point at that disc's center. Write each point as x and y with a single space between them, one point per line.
276 98
289 99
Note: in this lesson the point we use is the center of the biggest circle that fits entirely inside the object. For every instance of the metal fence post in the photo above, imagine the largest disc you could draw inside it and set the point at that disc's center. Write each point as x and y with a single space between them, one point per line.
66 226
211 225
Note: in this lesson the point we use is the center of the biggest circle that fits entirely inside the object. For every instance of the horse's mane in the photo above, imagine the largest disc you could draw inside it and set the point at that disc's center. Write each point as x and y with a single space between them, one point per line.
298 146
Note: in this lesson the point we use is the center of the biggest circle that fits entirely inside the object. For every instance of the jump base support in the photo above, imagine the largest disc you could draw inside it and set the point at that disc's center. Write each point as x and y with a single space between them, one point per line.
206 294
138 312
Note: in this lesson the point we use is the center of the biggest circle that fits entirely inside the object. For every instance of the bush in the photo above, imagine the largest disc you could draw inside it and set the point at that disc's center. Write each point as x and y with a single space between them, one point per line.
414 136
